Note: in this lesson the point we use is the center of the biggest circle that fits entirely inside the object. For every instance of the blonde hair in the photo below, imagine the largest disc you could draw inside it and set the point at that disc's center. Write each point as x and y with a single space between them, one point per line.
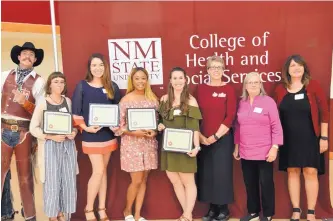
245 94
216 59
149 94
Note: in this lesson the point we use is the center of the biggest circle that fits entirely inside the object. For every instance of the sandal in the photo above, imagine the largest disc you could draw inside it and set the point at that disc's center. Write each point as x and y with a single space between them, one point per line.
90 211
105 218
311 211
183 218
296 210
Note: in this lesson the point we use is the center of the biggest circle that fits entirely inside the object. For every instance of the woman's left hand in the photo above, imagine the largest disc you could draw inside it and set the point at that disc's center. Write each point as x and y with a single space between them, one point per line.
272 154
193 152
211 139
323 144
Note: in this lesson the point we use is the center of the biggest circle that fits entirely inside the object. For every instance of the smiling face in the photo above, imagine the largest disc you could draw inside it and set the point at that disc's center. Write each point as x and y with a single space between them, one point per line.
215 70
295 70
139 80
253 85
57 85
178 80
97 67
27 59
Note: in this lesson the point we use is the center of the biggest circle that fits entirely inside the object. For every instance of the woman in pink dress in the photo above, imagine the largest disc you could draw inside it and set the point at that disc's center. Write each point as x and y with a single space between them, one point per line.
138 149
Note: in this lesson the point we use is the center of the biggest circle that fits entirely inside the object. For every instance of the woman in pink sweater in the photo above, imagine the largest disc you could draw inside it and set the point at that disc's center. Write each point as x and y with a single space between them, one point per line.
258 134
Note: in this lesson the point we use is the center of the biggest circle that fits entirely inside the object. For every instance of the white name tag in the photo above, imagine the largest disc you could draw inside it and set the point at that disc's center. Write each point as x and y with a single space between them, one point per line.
64 109
177 112
299 96
104 91
257 110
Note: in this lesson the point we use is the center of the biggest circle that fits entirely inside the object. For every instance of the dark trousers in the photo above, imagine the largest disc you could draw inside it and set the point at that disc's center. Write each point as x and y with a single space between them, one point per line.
21 143
6 201
257 172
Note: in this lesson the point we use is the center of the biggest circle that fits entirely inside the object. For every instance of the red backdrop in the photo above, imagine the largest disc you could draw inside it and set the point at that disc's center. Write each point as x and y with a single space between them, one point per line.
304 28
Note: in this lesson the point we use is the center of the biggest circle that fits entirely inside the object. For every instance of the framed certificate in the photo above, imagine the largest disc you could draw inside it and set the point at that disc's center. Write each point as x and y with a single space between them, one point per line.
177 140
141 119
104 115
57 122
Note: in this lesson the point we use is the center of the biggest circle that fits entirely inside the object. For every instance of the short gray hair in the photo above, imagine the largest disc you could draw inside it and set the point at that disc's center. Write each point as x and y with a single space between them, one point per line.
216 59
245 94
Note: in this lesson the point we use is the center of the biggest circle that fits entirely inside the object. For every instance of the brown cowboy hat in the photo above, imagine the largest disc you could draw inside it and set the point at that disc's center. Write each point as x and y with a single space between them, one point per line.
16 51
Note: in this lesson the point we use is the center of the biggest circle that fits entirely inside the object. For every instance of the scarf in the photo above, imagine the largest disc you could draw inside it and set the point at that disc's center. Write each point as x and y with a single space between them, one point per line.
21 74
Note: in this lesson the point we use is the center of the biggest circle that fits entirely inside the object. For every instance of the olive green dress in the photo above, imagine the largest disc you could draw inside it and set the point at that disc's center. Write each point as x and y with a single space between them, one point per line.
173 161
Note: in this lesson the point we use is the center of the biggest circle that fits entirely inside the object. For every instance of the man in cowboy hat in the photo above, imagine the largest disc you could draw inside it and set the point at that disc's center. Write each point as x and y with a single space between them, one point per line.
20 87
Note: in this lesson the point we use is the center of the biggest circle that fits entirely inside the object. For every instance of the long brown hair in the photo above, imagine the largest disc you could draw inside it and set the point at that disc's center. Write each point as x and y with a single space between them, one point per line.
53 75
184 96
106 78
285 71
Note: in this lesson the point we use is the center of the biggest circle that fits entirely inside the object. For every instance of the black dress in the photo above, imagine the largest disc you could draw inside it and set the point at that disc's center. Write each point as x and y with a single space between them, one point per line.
301 145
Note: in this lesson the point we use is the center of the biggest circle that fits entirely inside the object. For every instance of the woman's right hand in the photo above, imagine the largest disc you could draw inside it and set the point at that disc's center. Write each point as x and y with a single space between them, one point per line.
92 129
56 138
236 153
203 140
160 127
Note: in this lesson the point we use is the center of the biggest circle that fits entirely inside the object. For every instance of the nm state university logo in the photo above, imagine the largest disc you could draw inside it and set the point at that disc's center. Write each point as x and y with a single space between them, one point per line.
137 52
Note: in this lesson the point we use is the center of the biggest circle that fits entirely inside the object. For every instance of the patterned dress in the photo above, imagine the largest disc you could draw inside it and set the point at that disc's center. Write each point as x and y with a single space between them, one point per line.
137 153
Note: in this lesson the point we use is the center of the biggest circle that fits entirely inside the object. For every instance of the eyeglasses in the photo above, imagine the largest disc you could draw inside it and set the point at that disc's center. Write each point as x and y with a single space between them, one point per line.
253 83
216 68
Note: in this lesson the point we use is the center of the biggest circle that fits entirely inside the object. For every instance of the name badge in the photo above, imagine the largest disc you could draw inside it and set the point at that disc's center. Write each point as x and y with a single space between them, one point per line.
64 109
177 112
299 96
257 110
104 91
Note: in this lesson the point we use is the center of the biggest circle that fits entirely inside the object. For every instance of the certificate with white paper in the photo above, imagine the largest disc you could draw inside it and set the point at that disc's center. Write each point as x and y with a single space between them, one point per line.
57 122
103 115
177 140
141 119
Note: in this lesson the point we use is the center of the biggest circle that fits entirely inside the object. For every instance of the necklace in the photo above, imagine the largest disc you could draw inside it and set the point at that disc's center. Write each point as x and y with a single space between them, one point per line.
56 101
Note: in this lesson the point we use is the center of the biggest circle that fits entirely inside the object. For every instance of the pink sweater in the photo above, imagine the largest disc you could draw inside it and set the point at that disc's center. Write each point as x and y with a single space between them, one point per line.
257 128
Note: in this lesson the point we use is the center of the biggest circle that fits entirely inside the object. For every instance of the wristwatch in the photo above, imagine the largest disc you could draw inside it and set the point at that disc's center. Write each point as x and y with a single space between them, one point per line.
216 137
197 148
323 138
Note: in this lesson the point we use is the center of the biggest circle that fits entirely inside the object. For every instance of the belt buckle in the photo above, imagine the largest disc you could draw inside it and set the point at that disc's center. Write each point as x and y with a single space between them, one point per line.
14 128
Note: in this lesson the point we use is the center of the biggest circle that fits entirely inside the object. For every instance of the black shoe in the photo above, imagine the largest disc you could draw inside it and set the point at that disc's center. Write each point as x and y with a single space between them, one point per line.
311 211
210 214
296 210
222 216
251 217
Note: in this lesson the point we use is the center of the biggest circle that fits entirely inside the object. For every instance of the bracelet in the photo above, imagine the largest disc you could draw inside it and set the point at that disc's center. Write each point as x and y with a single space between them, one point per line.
323 137
216 137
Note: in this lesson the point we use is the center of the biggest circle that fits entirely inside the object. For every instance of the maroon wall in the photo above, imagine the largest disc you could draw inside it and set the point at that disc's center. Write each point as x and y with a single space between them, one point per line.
304 28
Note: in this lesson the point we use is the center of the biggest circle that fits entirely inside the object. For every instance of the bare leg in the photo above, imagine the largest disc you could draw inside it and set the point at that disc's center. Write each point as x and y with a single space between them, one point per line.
132 191
178 187
141 195
190 193
294 186
311 188
94 182
103 188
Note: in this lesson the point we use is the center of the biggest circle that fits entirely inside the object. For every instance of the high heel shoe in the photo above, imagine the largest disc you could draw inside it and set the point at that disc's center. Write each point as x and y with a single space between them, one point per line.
311 211
296 210
105 218
90 211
